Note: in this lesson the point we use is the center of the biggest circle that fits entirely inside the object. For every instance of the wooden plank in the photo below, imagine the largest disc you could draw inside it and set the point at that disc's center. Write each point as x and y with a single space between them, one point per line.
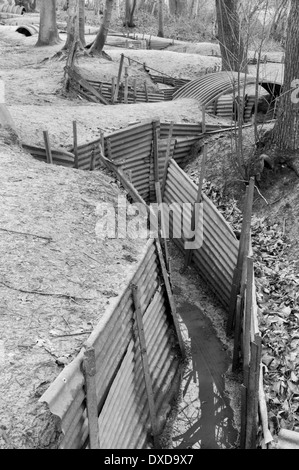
170 296
48 147
242 253
145 365
89 368
188 255
75 143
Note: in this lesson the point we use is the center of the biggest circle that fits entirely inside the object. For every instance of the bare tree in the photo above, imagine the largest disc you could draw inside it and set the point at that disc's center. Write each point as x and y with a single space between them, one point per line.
48 32
129 13
161 19
229 35
99 42
75 24
286 130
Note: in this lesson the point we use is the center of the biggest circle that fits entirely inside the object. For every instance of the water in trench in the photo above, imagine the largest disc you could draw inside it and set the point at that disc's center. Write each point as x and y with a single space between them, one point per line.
205 418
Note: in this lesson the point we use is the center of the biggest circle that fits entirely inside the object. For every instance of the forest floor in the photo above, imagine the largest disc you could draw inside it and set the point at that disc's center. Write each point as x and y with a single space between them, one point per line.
48 244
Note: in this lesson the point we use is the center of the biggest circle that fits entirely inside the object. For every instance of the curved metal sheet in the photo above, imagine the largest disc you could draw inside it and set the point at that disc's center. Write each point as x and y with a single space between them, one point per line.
211 86
28 29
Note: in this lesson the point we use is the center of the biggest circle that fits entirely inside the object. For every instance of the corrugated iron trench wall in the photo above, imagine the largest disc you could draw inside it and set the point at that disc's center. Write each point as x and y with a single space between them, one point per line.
124 420
123 411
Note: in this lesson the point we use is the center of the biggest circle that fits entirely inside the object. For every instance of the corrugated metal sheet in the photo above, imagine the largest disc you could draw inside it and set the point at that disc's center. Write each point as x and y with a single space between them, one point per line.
60 157
18 10
122 402
28 29
211 86
217 257
131 148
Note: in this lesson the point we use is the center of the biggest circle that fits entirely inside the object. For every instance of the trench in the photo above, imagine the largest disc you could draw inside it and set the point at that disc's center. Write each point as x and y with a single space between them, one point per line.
205 418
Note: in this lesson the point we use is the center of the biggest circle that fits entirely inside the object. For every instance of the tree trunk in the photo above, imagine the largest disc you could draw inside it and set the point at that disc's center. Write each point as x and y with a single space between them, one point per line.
48 32
229 36
286 130
75 29
161 19
97 7
100 39
129 13
82 22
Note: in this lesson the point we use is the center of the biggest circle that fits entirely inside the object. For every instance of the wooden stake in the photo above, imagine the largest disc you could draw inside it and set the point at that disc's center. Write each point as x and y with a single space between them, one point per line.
134 90
113 90
243 416
126 86
115 94
203 126
167 159
252 395
167 282
161 229
237 338
48 147
89 367
75 141
188 255
247 320
146 93
145 365
242 253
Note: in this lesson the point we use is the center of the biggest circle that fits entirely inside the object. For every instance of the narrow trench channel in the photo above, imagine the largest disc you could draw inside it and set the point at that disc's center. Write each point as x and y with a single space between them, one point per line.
205 418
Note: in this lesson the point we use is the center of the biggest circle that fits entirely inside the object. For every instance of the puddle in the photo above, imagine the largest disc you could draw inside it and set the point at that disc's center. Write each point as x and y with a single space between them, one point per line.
205 418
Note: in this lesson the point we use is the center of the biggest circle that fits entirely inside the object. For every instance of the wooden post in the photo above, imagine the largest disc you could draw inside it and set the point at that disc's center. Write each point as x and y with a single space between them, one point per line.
146 93
92 160
243 251
126 86
188 255
89 368
75 141
155 151
203 126
252 395
247 320
237 338
167 159
48 147
170 296
102 142
115 94
145 365
113 91
134 90
162 223
243 416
